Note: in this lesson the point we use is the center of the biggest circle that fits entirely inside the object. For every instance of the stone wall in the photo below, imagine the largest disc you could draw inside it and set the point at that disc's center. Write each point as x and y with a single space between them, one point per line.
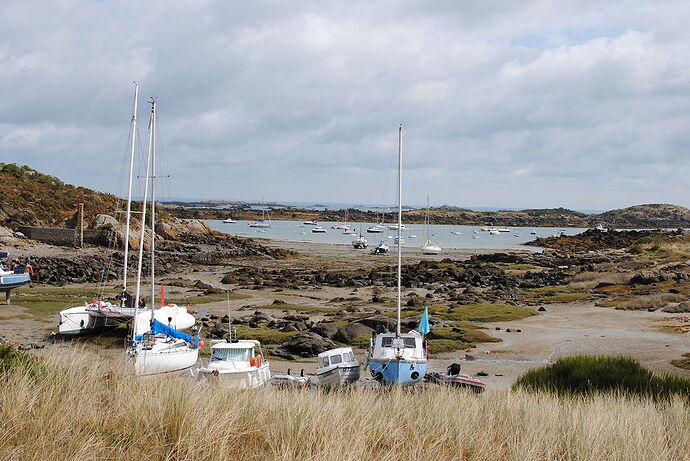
64 237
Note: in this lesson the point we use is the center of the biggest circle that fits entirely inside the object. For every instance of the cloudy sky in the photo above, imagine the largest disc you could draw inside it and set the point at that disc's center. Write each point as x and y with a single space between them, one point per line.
583 104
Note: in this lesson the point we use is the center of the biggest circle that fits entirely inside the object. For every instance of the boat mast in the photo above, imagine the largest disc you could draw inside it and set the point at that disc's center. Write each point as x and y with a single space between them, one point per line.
143 223
129 194
399 221
153 204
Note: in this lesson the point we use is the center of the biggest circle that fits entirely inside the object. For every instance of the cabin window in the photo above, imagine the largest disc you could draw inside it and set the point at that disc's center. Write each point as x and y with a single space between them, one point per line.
324 362
335 359
349 356
387 341
232 354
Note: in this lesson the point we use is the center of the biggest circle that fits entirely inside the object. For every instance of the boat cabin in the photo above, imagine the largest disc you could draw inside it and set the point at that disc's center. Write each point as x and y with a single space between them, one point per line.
237 354
409 346
342 356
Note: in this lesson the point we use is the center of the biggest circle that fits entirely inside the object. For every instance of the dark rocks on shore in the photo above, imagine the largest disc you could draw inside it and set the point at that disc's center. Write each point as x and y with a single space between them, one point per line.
307 344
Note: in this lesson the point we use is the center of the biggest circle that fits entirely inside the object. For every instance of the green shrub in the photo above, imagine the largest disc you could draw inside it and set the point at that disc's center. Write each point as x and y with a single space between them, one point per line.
587 375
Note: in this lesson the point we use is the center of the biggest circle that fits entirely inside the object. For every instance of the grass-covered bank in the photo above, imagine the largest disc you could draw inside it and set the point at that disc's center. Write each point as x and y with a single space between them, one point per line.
85 407
582 374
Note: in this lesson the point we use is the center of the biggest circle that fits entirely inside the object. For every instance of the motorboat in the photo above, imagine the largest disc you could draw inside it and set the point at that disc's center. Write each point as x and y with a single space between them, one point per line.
15 277
360 242
238 364
399 359
503 229
337 367
319 230
376 229
430 248
229 221
395 227
455 232
310 223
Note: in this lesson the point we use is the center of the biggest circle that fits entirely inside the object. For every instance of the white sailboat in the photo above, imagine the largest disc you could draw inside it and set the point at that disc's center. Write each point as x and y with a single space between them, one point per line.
155 347
264 222
398 358
429 248
98 313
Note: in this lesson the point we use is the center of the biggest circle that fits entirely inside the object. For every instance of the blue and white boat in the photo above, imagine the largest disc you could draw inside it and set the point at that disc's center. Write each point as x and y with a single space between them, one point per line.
14 277
399 359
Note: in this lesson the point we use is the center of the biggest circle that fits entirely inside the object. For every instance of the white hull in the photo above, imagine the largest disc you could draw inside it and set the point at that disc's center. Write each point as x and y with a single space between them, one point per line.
160 360
238 379
338 377
83 319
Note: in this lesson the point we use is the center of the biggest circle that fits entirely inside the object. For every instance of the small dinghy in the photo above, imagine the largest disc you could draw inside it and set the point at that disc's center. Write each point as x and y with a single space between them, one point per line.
290 380
454 378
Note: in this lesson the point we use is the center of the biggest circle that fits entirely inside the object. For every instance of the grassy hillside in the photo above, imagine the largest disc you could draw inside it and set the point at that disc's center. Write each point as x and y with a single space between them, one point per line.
33 198
648 215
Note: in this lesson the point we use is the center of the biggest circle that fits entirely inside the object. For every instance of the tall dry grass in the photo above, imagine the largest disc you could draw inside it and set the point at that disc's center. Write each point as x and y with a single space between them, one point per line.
85 407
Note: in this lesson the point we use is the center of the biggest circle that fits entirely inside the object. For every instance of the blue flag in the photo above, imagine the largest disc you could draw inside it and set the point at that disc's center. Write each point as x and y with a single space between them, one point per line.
424 323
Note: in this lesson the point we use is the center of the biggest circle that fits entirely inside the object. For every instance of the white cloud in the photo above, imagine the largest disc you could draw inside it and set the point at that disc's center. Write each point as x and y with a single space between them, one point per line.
580 104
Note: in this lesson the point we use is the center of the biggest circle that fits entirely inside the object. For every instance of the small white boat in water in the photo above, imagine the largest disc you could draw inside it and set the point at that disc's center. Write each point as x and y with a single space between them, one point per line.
260 223
310 223
237 364
229 221
395 227
376 229
503 229
494 232
337 367
319 230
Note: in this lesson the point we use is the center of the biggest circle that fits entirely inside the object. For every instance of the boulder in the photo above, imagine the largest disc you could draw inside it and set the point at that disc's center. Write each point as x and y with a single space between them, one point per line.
347 333
105 221
327 330
372 322
308 344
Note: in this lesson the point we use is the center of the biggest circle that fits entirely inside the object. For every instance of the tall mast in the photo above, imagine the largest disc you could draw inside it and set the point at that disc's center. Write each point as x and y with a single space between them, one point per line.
143 222
399 220
129 191
153 204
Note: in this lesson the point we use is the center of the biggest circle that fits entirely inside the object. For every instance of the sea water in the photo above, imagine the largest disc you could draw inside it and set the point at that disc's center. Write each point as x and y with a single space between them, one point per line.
447 236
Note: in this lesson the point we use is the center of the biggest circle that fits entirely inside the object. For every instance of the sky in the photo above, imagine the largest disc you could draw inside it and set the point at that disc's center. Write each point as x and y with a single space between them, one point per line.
531 104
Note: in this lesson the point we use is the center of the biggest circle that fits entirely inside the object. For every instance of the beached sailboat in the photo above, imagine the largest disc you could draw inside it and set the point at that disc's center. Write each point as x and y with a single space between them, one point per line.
99 313
156 347
429 248
399 358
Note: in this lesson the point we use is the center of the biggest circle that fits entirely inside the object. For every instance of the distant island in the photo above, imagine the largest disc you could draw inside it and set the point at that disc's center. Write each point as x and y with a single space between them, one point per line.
47 201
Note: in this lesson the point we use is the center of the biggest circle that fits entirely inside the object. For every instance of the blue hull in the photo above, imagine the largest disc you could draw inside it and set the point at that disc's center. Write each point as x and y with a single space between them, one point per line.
13 281
398 373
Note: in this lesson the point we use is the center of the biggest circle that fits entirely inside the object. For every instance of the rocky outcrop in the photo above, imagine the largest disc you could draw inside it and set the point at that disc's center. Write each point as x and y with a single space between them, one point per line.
307 344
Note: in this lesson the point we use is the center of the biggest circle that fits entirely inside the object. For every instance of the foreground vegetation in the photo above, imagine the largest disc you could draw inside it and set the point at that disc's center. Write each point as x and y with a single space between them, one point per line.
585 375
84 407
